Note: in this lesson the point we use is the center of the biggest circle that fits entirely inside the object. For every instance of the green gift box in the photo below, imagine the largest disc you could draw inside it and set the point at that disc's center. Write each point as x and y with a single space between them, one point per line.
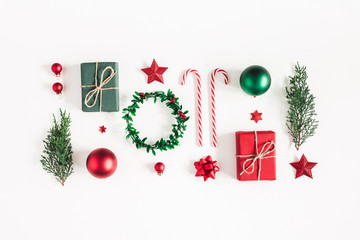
100 87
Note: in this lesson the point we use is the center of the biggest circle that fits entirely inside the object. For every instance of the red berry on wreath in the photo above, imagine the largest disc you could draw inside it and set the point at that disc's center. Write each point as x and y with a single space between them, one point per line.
181 113
183 117
56 68
173 100
57 88
159 168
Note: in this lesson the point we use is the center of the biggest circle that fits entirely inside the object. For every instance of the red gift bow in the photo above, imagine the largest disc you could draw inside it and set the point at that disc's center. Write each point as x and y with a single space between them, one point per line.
206 168
258 156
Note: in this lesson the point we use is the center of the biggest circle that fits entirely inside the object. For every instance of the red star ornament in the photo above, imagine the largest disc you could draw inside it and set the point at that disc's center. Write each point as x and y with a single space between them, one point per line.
303 167
206 168
155 72
102 129
256 116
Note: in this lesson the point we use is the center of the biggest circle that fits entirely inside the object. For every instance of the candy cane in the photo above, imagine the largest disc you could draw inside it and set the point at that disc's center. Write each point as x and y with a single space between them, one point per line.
198 85
213 114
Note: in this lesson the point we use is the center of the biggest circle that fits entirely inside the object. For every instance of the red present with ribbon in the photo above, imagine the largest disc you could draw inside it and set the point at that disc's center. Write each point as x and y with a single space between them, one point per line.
255 155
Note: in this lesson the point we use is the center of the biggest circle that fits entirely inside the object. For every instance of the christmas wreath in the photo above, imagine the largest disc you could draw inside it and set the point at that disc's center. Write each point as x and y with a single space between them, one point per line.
177 130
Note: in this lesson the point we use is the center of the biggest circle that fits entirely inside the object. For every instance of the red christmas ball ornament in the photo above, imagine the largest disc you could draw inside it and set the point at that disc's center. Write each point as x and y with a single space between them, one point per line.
57 88
159 168
101 163
56 68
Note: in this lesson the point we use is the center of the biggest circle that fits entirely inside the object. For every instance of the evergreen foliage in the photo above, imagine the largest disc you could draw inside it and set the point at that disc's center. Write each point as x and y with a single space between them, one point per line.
301 120
178 129
57 158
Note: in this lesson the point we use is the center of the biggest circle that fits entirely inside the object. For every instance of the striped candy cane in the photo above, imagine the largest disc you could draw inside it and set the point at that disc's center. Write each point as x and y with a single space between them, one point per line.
198 85
213 114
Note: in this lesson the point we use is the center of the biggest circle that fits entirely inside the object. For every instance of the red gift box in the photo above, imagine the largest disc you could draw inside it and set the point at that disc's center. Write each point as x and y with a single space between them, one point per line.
255 155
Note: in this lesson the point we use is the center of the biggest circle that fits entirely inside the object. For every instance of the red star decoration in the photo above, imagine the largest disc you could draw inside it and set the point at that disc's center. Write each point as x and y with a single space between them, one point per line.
155 72
102 129
303 167
206 168
256 116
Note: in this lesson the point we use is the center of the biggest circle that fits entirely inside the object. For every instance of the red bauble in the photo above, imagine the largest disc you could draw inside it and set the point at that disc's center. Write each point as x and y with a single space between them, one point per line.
56 68
57 87
101 163
159 168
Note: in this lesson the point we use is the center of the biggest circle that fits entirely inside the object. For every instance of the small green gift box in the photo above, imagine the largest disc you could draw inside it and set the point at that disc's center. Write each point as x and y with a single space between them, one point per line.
100 87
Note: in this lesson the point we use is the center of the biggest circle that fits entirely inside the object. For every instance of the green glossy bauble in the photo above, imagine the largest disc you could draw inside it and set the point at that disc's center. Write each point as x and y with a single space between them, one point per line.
255 80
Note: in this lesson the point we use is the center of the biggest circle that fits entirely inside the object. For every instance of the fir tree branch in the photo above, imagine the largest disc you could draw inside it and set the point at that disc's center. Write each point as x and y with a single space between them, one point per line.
57 158
301 120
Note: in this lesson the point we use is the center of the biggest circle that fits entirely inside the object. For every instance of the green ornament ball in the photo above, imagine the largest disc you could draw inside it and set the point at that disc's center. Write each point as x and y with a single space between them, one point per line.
255 80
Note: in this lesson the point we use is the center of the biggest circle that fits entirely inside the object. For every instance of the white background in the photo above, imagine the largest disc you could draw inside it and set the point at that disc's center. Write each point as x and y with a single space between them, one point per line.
135 203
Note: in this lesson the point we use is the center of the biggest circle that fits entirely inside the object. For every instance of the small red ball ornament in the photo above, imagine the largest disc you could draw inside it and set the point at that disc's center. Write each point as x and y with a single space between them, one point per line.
101 163
159 168
57 88
56 68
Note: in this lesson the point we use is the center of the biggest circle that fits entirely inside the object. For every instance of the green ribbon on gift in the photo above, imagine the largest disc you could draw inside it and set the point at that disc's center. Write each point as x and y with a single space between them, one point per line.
97 91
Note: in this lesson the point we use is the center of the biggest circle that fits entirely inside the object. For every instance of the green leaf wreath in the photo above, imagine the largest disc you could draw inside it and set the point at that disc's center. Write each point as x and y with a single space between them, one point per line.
301 120
177 130
57 158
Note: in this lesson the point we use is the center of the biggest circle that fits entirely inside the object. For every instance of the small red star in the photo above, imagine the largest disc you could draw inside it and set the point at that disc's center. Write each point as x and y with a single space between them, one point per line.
303 167
256 116
102 129
155 72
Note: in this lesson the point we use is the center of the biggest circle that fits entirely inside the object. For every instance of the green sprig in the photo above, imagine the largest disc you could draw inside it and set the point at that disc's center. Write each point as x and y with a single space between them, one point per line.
57 158
301 120
178 129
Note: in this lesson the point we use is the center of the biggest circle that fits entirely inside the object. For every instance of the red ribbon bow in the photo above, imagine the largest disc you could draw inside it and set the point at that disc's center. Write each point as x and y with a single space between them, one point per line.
206 168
